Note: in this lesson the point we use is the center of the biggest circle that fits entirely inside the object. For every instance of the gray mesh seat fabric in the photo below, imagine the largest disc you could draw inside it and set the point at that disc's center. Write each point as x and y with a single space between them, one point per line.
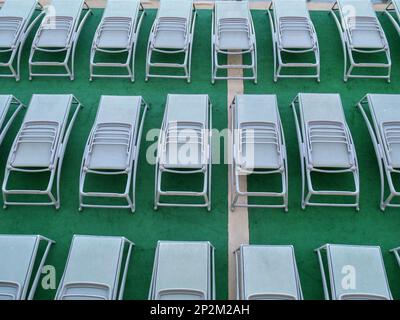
117 34
266 272
172 34
361 34
184 147
18 254
113 148
258 146
6 102
355 273
381 113
94 267
232 34
293 33
40 145
183 270
322 131
15 25
58 34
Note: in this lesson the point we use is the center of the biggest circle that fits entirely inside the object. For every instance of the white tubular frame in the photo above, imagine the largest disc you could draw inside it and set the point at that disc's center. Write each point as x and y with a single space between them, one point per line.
69 61
186 65
129 171
215 65
54 169
385 169
129 64
205 170
331 296
307 168
393 13
279 64
20 106
16 49
118 292
236 170
396 254
348 51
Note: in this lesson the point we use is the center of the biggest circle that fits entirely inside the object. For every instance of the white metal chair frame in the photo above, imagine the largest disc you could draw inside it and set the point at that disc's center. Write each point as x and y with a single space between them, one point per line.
135 135
74 28
396 254
215 50
57 135
206 135
382 149
20 106
118 292
23 291
393 12
199 293
120 24
304 137
240 284
22 30
186 65
348 49
237 169
350 296
278 48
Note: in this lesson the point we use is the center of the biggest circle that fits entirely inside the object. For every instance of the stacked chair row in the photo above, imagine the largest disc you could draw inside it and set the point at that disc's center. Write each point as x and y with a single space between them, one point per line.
172 34
97 269
184 147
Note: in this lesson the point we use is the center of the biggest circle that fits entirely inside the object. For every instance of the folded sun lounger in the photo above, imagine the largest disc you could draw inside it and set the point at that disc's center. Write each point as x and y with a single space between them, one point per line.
39 147
6 101
184 147
117 34
58 34
172 34
293 33
267 273
258 146
383 122
361 34
183 270
113 147
233 34
355 273
93 268
18 255
15 25
325 145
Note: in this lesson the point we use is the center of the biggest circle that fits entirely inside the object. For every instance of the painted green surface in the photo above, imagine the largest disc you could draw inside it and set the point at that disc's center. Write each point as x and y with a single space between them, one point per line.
308 229
146 226
304 229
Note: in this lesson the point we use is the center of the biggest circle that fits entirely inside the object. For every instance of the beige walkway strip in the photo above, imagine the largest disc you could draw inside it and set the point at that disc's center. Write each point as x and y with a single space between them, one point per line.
238 222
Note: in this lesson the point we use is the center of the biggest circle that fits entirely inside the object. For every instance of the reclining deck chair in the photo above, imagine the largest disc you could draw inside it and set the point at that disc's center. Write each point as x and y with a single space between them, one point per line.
15 25
232 34
18 254
293 33
183 270
172 34
258 146
325 145
184 146
93 268
117 34
267 273
355 273
40 145
392 10
361 34
384 127
6 101
58 34
396 252
113 147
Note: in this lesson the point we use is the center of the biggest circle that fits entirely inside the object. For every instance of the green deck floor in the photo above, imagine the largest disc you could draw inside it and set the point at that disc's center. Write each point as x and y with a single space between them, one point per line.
304 229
